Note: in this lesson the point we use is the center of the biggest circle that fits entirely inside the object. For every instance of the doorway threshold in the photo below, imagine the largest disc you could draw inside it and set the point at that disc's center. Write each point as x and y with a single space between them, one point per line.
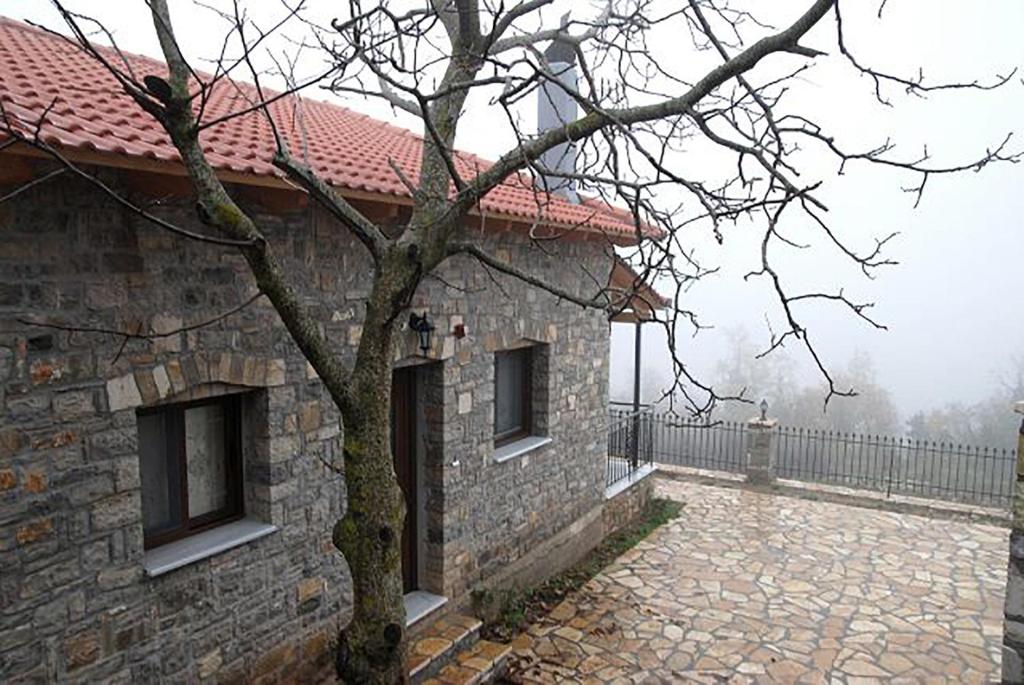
420 604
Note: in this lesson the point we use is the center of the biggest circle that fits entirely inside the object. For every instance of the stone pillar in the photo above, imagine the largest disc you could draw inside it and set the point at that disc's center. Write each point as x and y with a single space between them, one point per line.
1013 609
760 450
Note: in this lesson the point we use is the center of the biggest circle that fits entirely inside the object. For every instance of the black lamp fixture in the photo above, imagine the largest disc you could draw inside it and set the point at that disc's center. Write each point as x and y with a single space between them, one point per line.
764 410
423 328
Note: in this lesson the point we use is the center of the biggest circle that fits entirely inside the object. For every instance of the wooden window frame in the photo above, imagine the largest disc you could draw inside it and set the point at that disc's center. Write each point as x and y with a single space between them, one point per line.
186 526
526 398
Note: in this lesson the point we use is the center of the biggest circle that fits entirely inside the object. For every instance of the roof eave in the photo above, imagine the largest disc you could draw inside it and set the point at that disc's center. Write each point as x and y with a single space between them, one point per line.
175 168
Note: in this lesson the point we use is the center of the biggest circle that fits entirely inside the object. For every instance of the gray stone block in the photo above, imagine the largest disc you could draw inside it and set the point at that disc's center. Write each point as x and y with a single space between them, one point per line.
1013 666
1014 604
115 511
123 393
74 404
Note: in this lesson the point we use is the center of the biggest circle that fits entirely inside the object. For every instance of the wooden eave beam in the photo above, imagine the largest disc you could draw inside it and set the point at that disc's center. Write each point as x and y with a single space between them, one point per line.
175 169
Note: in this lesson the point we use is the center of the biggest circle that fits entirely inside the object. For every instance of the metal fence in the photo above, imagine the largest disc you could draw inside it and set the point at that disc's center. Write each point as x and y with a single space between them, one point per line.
717 447
898 466
891 465
675 440
629 443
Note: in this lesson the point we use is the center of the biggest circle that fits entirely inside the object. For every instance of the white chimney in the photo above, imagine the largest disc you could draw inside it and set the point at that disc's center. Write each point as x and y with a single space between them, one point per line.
555 108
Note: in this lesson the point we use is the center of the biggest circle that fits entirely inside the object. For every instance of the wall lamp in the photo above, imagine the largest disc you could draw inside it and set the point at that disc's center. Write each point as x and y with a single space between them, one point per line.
423 328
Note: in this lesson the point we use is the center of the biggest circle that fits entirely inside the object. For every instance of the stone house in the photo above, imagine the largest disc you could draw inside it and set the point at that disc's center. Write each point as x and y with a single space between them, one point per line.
166 504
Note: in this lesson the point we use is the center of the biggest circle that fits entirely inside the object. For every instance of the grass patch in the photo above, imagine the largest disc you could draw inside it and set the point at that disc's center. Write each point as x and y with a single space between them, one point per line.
504 612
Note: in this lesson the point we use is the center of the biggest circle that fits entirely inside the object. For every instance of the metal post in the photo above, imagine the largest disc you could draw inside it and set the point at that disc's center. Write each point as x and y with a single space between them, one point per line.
892 465
636 368
636 395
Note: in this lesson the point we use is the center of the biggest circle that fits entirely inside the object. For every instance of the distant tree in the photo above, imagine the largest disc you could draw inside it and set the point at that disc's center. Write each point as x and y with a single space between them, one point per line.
774 379
988 423
872 410
743 372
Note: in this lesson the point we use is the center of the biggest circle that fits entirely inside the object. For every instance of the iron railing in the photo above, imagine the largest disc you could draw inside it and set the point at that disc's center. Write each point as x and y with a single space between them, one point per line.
898 466
892 465
717 447
675 440
629 443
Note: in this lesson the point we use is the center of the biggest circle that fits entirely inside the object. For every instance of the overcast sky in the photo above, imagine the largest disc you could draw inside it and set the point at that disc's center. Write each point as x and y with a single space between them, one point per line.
954 305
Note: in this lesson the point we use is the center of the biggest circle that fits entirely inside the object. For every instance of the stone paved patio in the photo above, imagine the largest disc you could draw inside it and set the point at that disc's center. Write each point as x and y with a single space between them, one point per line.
751 587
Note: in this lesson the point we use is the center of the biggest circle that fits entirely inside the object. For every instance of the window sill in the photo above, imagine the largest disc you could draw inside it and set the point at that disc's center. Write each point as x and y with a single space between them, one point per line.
420 604
519 448
166 558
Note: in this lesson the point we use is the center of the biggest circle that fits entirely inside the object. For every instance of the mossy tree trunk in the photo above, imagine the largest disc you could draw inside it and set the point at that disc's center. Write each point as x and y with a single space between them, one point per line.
372 647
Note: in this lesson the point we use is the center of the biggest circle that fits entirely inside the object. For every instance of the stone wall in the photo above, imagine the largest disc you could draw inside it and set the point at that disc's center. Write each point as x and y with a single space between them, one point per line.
621 509
573 542
1013 613
75 603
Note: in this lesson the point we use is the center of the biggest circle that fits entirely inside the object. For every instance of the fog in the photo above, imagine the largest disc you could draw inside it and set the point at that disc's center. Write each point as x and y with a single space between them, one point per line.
954 306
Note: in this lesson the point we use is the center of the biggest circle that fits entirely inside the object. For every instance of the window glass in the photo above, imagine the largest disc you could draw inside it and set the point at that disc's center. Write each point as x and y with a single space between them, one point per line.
206 459
160 509
190 467
511 393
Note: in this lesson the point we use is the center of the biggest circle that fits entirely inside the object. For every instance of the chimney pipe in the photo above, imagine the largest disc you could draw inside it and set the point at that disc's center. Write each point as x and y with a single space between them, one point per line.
555 108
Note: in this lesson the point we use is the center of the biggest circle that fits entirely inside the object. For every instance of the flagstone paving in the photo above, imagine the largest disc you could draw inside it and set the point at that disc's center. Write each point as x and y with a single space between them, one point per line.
753 587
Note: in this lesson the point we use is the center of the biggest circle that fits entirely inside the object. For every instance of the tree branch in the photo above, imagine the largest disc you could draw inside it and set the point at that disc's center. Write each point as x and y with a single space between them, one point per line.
68 165
916 87
365 230
499 45
219 209
489 260
784 41
138 335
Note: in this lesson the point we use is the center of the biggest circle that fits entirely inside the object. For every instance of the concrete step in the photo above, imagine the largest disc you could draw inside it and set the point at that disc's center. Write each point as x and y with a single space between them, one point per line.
436 645
483 662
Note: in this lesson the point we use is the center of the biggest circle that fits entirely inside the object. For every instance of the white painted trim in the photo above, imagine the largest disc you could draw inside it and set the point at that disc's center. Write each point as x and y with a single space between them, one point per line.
625 483
194 548
519 448
420 604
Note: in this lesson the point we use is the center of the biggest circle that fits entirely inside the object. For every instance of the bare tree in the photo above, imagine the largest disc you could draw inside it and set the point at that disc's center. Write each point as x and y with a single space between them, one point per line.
637 114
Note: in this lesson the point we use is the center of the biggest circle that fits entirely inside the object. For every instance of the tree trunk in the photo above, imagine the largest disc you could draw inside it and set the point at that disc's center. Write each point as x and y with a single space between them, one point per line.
372 647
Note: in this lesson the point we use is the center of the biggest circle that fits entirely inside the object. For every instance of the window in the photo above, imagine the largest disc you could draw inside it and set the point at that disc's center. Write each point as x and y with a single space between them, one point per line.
513 395
190 467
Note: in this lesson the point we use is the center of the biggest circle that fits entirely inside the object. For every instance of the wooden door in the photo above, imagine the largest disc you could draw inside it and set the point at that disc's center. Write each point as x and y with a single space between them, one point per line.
403 448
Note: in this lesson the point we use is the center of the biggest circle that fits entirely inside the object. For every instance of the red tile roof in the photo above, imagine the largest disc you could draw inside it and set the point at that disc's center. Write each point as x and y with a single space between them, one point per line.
347 149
